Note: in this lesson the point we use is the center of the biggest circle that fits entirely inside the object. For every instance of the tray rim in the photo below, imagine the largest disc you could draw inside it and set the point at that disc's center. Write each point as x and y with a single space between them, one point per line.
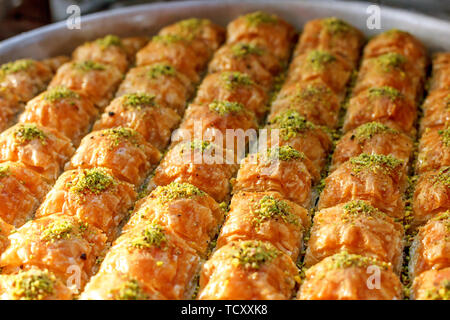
10 44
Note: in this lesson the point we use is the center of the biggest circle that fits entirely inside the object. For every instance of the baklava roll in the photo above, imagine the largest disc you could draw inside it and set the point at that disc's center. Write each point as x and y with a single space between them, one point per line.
178 51
140 112
107 50
260 64
170 88
318 64
313 99
440 78
400 42
9 107
161 263
184 210
263 28
281 169
25 77
199 29
431 246
5 230
33 284
431 195
211 121
294 130
95 80
94 196
434 149
248 270
268 217
39 148
64 245
333 35
22 190
63 110
436 113
123 150
372 138
377 179
357 228
390 70
432 285
345 276
234 87
381 104
201 163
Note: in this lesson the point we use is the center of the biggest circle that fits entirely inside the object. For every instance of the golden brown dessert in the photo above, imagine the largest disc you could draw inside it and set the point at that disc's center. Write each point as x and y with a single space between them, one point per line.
203 164
268 217
94 196
434 149
432 285
248 270
123 150
377 179
358 228
345 276
39 148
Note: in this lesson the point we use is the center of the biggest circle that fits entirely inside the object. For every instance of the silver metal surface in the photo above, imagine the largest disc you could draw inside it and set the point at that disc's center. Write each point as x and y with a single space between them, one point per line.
148 19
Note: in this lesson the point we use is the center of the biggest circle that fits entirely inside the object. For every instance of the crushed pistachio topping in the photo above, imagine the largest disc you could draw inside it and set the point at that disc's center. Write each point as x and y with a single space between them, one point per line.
235 79
120 134
151 235
344 260
259 17
176 190
58 230
15 66
168 39
390 60
317 59
193 23
445 137
5 171
375 162
442 176
291 123
335 25
283 153
28 132
388 92
33 285
137 100
240 50
442 292
200 145
131 290
109 40
445 219
94 181
271 208
368 130
161 69
60 93
88 65
226 107
253 254
357 208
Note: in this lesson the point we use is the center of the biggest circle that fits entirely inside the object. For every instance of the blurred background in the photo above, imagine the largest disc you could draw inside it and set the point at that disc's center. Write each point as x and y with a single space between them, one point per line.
17 16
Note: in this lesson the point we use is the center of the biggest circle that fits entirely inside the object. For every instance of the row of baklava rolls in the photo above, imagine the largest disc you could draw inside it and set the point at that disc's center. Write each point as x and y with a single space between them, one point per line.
262 236
355 250
62 247
36 150
429 265
170 233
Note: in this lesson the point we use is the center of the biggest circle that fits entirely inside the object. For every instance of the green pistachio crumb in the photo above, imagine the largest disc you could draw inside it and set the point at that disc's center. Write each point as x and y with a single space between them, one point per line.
27 132
445 136
388 92
317 59
95 181
335 25
241 50
389 61
151 235
131 290
345 260
160 69
284 153
89 65
375 162
270 208
235 79
109 40
5 171
226 107
33 285
368 130
15 66
60 93
176 190
291 123
253 254
136 100
259 17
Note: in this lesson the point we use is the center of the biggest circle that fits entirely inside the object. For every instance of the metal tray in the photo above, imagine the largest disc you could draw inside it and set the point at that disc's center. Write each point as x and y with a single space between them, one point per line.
147 19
